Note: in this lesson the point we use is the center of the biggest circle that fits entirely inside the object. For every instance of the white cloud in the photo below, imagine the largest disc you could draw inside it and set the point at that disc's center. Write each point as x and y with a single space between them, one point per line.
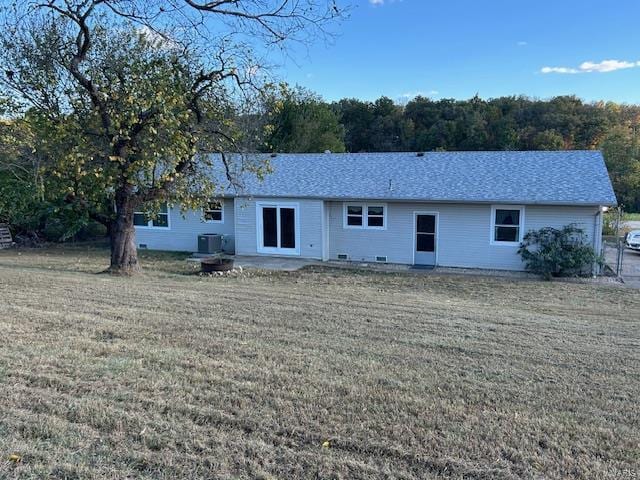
590 67
522 43
558 70
377 3
157 39
411 95
607 66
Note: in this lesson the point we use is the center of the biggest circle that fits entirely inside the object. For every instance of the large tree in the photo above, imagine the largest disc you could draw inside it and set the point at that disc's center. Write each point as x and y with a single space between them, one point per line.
297 121
135 93
621 148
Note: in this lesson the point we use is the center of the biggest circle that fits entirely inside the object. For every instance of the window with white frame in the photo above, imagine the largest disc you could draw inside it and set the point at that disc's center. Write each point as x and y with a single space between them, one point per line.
375 216
213 212
161 219
355 215
363 215
507 223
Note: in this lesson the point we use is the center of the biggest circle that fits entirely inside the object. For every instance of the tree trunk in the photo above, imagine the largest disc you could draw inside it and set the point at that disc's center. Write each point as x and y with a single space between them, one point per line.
124 253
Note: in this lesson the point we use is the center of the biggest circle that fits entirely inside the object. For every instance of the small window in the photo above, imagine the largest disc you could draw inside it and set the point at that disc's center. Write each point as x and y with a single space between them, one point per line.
354 215
375 216
213 211
140 219
161 220
507 225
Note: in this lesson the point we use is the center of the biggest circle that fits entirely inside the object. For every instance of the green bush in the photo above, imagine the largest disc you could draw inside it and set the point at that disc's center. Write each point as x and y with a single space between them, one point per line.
49 219
19 206
553 252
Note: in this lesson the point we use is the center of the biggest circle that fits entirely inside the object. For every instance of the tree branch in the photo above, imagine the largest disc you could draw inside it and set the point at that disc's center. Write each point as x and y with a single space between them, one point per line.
83 44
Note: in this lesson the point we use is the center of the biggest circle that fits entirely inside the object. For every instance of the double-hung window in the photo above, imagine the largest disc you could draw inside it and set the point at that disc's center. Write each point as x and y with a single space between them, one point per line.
213 212
144 220
507 225
375 216
355 215
365 215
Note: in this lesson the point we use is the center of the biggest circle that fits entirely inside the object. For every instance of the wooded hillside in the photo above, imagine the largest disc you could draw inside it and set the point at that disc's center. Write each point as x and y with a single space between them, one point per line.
301 122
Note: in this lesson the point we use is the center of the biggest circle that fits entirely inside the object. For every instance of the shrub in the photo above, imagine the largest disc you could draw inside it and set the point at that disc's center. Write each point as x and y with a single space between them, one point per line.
553 252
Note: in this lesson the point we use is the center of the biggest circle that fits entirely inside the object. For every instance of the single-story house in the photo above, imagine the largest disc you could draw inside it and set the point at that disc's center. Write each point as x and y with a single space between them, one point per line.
455 209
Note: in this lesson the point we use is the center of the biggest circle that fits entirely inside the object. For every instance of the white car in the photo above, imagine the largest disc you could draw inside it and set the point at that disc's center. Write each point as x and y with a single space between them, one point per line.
633 240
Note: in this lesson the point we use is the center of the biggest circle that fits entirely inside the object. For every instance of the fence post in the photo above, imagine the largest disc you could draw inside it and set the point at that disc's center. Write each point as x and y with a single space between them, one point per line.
619 242
621 247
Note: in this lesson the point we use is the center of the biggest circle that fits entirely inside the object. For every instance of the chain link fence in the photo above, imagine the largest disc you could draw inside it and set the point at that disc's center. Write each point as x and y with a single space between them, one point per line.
619 260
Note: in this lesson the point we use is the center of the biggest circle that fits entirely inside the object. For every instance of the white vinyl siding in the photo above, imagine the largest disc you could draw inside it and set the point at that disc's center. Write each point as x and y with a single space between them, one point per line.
184 231
463 233
310 225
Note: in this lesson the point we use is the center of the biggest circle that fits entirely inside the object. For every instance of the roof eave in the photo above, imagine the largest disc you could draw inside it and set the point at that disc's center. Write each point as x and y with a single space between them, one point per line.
590 203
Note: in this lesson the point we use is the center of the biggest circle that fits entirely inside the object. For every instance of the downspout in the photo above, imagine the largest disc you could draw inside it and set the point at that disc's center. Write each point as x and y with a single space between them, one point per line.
325 230
597 239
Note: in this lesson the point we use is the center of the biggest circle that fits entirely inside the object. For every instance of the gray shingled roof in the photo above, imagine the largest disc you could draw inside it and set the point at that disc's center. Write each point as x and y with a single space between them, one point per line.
540 177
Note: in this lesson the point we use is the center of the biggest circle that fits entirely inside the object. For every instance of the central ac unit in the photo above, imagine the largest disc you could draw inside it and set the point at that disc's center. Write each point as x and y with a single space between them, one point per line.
209 243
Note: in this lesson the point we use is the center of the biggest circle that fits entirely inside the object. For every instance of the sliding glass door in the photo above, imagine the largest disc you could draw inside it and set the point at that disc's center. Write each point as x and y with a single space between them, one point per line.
278 228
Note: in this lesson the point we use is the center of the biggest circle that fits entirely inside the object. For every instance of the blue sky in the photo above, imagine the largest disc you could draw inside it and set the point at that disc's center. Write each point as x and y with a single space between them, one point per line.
457 48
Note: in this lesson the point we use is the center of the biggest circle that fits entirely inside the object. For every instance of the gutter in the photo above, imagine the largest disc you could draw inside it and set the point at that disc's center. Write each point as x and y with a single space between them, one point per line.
426 200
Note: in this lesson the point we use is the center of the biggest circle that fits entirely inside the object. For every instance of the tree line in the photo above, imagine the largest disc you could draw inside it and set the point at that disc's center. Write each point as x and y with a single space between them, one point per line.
300 121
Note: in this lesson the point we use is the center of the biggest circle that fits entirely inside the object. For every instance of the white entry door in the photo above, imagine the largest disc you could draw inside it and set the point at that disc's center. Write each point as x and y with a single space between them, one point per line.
426 238
278 228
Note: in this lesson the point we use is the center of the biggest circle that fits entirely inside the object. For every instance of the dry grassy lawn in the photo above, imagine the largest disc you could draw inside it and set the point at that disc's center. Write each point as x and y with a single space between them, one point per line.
170 375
